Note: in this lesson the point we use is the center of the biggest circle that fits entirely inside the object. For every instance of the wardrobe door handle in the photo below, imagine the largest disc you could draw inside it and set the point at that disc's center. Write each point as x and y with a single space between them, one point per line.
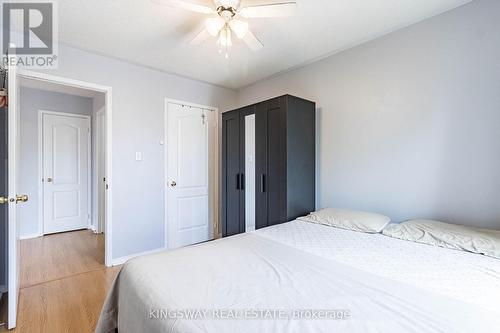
242 181
237 181
263 183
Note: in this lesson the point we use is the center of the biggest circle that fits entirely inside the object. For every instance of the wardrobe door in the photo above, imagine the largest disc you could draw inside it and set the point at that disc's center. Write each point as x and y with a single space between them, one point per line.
261 165
271 163
276 163
230 173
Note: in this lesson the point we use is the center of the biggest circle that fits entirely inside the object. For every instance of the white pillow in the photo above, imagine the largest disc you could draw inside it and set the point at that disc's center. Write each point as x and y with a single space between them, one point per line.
452 236
348 219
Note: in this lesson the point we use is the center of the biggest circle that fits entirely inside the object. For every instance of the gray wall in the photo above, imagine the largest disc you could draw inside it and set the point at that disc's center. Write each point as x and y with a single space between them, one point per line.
138 126
33 100
409 124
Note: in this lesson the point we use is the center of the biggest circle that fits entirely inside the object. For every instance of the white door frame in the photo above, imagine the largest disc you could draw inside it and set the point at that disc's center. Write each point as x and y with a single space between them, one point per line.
97 214
213 178
41 219
109 144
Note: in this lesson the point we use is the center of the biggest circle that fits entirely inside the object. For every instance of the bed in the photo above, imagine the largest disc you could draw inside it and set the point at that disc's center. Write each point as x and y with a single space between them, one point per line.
305 277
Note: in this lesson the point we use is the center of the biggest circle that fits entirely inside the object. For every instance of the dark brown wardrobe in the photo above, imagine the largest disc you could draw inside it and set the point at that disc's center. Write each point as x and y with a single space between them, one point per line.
268 164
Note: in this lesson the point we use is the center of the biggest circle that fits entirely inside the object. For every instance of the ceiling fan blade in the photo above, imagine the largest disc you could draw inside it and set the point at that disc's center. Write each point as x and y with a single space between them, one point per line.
252 42
200 38
186 5
279 9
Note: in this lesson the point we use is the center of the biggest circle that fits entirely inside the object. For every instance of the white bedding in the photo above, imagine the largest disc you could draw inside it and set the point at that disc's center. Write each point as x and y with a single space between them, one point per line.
299 265
461 275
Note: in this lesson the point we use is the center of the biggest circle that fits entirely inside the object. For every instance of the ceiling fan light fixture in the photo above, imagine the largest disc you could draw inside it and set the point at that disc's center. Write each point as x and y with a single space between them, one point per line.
239 28
229 3
214 25
225 37
226 21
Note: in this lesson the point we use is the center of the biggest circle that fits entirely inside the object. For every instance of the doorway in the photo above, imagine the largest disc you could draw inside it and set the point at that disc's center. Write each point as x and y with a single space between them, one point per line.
98 198
59 255
191 173
58 163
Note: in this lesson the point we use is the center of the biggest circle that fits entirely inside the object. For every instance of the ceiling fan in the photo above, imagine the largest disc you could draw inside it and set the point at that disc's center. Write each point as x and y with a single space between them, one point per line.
224 21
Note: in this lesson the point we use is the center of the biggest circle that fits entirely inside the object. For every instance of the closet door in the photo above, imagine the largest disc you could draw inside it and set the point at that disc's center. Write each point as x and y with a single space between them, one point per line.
271 168
231 173
276 162
261 165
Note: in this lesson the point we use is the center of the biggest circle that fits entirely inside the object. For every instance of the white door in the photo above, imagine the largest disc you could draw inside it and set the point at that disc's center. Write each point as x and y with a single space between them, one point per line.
13 197
189 157
66 178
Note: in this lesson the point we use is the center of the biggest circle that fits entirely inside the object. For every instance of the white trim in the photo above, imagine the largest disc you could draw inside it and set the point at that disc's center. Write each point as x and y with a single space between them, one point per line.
215 218
41 216
29 236
90 158
108 105
40 175
165 173
98 182
214 191
122 260
27 74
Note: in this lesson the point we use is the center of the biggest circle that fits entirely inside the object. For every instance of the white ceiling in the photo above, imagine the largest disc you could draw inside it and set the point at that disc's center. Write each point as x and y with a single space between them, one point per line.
157 36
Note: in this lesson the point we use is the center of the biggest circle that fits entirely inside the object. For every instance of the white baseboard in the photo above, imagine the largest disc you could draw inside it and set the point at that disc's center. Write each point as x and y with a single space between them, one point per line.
122 260
30 236
93 228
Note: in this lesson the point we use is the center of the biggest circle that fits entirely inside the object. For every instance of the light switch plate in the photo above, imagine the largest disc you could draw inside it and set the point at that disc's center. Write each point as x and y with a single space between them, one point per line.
138 156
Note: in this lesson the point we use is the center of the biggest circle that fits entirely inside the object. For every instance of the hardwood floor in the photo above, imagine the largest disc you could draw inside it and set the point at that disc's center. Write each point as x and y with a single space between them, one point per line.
60 255
63 282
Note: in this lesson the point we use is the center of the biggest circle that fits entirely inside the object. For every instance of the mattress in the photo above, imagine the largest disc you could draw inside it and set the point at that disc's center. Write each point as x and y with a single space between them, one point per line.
457 274
302 277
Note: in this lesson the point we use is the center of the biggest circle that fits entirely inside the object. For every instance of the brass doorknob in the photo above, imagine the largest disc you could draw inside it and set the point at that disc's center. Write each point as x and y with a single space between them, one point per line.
4 200
21 198
49 180
173 183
